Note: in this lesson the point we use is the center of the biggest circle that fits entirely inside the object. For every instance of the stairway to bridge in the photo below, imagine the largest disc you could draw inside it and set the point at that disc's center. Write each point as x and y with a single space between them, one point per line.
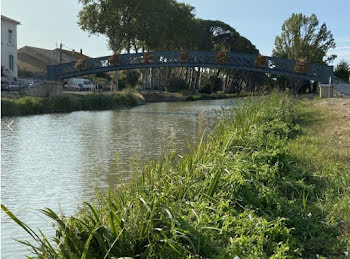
341 87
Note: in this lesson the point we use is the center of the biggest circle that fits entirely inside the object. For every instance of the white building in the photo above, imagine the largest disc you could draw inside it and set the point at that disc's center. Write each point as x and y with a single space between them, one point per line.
9 47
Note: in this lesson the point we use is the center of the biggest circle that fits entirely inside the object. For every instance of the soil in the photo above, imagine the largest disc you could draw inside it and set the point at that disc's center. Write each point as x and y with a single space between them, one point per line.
339 127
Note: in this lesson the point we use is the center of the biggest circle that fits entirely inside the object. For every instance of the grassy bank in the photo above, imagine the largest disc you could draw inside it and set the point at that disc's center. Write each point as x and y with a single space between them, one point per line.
215 96
77 102
67 103
180 97
261 186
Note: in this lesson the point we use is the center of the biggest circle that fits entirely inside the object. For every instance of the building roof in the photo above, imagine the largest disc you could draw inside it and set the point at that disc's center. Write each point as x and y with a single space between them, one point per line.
9 20
35 60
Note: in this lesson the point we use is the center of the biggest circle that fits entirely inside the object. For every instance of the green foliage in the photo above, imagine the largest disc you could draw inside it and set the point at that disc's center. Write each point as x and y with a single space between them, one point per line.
132 77
137 23
176 85
342 71
66 103
217 35
246 192
103 75
301 38
214 85
142 25
212 96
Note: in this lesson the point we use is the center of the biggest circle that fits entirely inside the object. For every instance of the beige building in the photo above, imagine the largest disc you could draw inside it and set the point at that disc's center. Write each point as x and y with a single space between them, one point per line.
33 61
9 66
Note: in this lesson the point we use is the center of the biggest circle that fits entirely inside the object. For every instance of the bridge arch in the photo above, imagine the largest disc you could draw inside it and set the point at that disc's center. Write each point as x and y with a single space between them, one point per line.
235 61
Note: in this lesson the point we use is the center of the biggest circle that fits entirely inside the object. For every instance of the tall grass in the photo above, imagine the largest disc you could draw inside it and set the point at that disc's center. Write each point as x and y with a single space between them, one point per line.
217 95
67 103
248 191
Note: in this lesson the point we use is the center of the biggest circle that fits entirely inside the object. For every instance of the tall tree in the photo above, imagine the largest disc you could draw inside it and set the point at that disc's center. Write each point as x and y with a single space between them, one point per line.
342 71
112 18
303 38
138 24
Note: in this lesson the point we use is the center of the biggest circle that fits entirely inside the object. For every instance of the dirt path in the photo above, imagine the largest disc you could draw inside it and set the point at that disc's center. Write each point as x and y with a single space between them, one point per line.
339 110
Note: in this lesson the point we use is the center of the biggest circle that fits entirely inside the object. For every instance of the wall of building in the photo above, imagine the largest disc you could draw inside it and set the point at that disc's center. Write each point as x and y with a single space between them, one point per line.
47 89
8 49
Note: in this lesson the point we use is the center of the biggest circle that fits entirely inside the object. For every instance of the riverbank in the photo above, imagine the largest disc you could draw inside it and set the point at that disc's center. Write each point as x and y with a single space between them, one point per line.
180 97
264 184
79 101
68 103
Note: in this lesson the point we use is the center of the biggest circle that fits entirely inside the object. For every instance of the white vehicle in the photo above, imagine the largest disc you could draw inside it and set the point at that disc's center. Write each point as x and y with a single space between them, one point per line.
80 84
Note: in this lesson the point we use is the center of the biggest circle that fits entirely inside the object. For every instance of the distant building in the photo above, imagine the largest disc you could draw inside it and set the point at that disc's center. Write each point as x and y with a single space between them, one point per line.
9 48
32 61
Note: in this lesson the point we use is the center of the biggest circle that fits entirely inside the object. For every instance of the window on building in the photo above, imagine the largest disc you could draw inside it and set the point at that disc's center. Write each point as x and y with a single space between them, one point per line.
10 36
11 65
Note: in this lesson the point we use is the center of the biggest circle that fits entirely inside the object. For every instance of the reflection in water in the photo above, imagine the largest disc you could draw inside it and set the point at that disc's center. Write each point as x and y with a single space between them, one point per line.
52 160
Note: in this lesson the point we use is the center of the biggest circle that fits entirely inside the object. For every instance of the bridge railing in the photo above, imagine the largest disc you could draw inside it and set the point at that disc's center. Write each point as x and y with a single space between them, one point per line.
195 59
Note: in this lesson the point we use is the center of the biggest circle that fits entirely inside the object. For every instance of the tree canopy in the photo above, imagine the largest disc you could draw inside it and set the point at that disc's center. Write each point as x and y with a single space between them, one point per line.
158 25
161 25
303 38
342 71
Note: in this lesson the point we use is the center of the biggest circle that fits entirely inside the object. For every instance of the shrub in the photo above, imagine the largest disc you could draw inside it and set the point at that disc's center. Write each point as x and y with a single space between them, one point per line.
122 84
205 89
132 77
66 103
176 85
215 83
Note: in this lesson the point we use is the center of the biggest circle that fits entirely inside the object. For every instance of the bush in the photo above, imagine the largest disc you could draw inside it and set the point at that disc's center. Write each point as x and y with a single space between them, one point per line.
66 103
175 85
214 84
206 89
132 77
121 84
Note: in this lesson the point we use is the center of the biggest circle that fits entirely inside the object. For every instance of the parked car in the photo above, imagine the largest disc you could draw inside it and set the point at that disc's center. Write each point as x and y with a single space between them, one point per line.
34 84
79 84
4 86
13 86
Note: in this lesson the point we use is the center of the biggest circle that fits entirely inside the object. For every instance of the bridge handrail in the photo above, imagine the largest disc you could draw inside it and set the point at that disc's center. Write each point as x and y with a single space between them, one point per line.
240 61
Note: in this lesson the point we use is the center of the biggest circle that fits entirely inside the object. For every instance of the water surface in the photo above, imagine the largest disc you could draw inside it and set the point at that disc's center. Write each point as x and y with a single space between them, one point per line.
56 160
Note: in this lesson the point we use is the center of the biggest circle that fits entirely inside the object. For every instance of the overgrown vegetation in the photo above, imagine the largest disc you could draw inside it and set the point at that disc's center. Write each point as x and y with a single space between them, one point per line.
67 103
258 188
214 96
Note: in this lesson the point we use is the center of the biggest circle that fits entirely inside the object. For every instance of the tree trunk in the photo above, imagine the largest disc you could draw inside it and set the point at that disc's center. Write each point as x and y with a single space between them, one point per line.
186 75
226 82
198 81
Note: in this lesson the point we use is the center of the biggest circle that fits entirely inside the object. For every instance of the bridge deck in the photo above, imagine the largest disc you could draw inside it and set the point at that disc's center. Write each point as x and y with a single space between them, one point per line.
234 61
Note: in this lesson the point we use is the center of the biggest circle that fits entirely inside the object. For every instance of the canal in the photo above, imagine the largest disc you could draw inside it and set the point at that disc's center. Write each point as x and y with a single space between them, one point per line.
57 160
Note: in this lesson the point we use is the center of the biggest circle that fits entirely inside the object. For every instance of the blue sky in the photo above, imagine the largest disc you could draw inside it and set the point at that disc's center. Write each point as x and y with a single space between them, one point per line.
46 23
